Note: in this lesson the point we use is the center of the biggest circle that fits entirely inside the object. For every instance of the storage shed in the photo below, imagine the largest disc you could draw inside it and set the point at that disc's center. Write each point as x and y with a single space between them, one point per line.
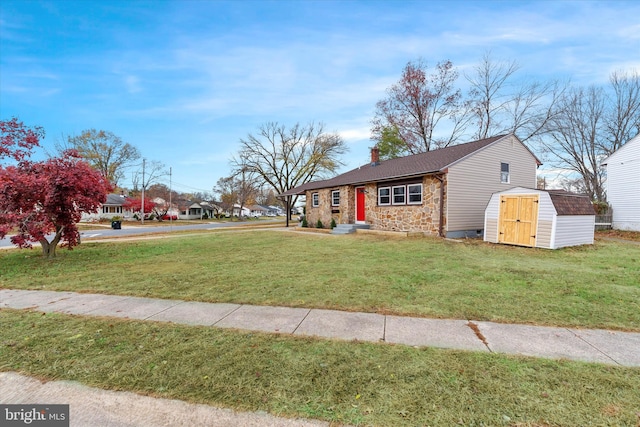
549 219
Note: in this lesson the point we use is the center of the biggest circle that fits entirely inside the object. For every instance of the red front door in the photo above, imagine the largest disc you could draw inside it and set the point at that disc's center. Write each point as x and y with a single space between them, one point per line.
360 204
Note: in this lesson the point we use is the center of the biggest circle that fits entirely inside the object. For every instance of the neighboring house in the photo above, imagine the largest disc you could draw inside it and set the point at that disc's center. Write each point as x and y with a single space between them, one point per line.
113 206
257 210
209 209
245 211
270 210
539 218
623 185
189 210
442 192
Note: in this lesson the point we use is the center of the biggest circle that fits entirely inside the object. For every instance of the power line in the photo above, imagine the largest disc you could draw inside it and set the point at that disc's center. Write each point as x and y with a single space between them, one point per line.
186 186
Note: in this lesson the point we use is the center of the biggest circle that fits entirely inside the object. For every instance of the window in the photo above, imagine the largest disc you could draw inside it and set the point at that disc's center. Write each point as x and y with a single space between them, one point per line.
384 196
415 194
399 195
335 198
315 200
504 173
111 209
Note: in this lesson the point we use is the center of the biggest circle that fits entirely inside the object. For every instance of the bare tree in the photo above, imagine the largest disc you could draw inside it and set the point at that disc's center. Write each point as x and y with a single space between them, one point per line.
532 108
105 151
591 124
286 158
267 196
622 121
487 98
497 105
574 137
148 174
237 189
226 190
418 105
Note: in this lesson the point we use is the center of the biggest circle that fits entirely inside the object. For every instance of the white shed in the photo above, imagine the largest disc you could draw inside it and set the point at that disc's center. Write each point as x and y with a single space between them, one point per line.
548 219
623 185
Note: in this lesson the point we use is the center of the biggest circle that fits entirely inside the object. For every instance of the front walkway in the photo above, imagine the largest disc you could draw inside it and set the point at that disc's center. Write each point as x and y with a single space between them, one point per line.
589 345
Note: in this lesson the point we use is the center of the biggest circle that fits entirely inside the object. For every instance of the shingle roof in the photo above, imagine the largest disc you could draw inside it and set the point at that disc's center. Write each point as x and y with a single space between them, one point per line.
408 166
570 203
115 199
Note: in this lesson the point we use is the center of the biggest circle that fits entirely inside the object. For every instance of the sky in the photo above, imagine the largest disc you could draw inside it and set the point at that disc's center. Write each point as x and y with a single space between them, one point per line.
184 81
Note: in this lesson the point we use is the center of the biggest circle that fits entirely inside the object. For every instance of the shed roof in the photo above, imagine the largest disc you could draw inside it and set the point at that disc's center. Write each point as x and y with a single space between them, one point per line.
570 203
415 165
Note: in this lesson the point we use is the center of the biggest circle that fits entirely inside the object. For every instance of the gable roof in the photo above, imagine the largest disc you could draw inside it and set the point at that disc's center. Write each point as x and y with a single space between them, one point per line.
184 204
622 151
402 167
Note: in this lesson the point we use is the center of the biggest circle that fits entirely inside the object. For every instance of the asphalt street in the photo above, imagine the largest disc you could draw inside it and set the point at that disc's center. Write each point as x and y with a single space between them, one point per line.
128 230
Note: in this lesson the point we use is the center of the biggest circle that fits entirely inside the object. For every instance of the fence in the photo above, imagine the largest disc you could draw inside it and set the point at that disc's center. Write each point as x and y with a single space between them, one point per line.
603 222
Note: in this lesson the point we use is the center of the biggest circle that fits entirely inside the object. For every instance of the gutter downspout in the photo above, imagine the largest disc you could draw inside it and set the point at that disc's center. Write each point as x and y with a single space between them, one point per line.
441 220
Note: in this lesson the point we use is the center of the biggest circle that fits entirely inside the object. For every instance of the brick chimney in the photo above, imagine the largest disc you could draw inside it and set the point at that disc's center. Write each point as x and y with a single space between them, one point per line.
375 156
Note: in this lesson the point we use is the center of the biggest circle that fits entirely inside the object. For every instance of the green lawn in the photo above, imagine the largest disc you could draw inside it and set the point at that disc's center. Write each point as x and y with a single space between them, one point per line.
354 383
590 286
346 382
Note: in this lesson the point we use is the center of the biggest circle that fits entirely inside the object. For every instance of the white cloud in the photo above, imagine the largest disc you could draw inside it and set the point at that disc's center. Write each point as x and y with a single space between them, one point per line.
132 83
357 134
630 32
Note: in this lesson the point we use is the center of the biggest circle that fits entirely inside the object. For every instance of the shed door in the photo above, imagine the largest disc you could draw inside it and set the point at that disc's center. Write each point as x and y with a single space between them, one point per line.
518 220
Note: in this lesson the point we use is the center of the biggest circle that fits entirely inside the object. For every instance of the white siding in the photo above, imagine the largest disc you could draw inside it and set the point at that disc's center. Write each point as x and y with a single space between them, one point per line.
572 230
553 231
546 215
472 181
491 215
623 185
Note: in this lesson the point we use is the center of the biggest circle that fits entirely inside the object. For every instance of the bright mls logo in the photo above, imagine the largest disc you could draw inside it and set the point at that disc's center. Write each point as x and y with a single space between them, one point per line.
34 415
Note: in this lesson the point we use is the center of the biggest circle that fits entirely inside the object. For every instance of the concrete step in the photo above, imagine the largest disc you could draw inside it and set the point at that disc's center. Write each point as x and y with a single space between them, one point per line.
348 228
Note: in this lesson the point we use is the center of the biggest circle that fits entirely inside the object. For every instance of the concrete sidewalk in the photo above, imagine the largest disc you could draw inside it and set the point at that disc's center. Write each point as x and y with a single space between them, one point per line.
589 345
89 406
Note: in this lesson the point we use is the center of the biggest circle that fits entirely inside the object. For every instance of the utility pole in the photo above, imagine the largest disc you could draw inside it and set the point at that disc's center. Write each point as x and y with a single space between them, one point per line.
169 210
142 207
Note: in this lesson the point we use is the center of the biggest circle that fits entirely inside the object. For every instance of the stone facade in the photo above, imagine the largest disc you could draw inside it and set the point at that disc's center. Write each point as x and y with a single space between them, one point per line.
344 213
423 218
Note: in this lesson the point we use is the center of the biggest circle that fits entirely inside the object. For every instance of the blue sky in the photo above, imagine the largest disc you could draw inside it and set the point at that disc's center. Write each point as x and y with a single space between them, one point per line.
184 81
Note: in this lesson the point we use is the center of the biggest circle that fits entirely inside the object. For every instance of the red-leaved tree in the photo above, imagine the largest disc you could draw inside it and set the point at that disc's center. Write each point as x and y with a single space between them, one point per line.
16 140
46 199
135 205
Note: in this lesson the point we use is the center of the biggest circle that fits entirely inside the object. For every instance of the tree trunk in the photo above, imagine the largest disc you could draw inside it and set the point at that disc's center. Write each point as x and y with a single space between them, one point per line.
49 248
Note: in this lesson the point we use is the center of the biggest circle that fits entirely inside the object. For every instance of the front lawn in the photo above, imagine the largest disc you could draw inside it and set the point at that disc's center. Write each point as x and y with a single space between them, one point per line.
594 286
353 383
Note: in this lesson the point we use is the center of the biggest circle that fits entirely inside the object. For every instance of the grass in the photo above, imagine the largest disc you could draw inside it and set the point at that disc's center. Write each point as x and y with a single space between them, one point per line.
594 286
354 383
